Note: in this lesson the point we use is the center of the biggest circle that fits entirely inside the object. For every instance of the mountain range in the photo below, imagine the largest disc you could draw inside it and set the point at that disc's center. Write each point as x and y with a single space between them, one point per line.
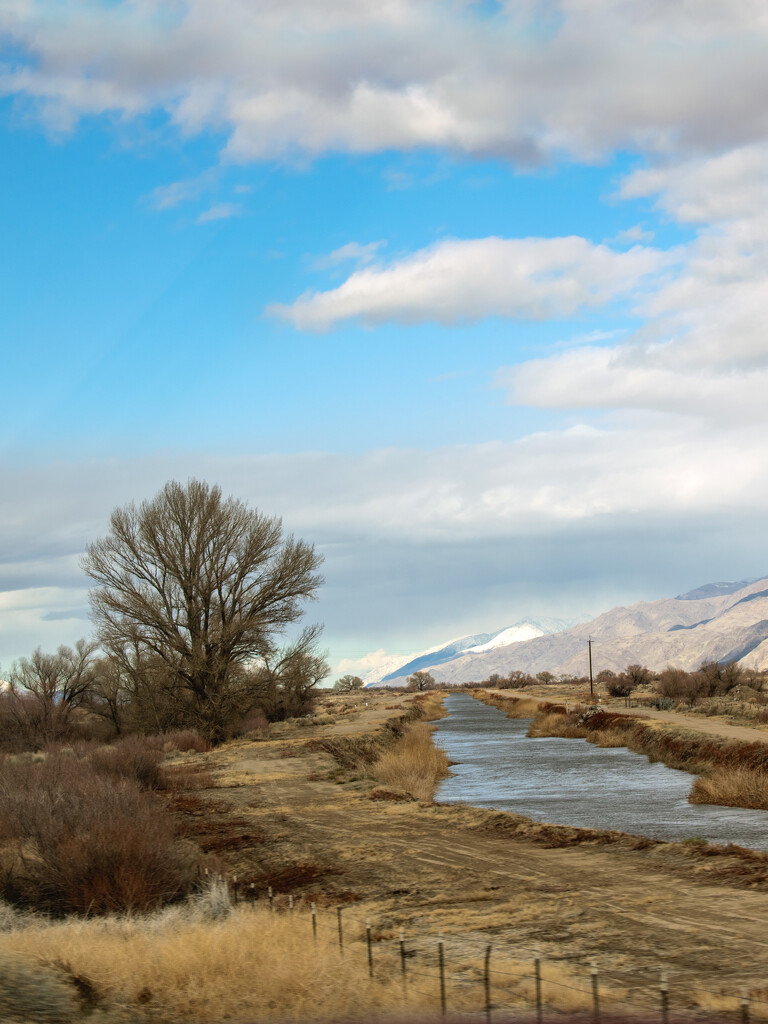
718 621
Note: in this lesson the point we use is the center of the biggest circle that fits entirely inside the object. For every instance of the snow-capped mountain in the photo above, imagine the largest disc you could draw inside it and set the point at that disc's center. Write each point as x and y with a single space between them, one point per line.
389 667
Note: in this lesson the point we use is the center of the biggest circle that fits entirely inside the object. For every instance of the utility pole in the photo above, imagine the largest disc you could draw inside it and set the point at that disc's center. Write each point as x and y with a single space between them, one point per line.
589 644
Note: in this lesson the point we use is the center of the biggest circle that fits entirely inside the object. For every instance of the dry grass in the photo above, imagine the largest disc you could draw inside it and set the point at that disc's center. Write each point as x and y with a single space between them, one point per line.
513 707
431 706
415 765
732 787
248 965
210 962
552 723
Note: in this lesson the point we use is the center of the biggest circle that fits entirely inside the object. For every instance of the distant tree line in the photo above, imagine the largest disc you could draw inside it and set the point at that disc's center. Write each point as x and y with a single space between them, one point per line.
711 679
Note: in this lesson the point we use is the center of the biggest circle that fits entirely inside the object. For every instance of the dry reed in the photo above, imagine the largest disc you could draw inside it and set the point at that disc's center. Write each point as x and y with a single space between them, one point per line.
414 765
742 787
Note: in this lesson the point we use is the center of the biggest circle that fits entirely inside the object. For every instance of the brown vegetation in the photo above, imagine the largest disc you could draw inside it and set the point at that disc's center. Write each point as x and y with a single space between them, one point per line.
414 765
82 829
77 841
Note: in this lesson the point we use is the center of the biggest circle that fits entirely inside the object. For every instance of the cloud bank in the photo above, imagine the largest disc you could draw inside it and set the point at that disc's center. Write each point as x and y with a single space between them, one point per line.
423 544
534 80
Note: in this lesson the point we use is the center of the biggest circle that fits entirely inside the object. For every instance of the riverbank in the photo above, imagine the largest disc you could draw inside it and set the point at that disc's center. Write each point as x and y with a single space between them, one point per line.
731 772
285 812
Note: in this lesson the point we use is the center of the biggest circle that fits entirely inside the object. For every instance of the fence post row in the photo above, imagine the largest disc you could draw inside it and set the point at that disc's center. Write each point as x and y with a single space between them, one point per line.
488 1006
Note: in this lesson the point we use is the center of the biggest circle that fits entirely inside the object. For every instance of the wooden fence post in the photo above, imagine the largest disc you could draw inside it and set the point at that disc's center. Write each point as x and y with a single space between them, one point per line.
271 898
595 993
441 966
664 989
744 1006
402 965
370 948
314 923
537 975
487 983
340 929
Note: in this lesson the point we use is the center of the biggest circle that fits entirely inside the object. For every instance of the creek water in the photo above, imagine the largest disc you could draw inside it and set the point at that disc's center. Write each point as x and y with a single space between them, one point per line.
572 782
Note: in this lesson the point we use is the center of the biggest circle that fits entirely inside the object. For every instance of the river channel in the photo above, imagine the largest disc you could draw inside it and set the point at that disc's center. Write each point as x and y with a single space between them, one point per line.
572 782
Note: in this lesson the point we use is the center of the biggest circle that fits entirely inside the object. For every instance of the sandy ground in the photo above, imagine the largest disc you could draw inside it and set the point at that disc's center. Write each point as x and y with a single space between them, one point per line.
454 870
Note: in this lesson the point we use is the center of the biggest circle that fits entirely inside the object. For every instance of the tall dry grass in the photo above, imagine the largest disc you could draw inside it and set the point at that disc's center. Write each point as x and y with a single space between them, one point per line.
247 964
414 765
181 966
513 707
552 723
731 787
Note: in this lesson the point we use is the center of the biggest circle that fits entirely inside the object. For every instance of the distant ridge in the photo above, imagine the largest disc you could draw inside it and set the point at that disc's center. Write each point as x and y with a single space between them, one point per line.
717 622
716 590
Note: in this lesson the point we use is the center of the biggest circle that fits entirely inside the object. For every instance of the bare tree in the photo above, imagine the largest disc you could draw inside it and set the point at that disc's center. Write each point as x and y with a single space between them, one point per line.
195 587
46 688
421 681
348 683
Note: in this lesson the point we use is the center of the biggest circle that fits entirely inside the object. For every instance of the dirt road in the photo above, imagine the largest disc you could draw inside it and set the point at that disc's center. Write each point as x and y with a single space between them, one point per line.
712 726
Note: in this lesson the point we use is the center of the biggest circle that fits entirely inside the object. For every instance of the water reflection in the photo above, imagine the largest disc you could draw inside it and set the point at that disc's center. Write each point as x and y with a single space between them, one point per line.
572 782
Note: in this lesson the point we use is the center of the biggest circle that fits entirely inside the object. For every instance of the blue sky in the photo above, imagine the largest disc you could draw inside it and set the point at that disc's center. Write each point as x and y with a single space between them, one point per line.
471 294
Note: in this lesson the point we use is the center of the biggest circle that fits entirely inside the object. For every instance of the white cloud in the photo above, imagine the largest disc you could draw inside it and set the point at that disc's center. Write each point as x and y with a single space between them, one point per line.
220 211
352 252
459 281
730 186
634 234
534 80
165 197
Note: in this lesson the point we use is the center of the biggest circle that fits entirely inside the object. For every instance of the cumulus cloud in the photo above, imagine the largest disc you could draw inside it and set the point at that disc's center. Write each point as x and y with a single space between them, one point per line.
465 280
703 349
730 186
535 79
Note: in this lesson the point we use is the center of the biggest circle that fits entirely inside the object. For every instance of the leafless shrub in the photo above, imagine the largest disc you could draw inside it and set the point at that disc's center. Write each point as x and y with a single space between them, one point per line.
185 740
86 843
131 758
